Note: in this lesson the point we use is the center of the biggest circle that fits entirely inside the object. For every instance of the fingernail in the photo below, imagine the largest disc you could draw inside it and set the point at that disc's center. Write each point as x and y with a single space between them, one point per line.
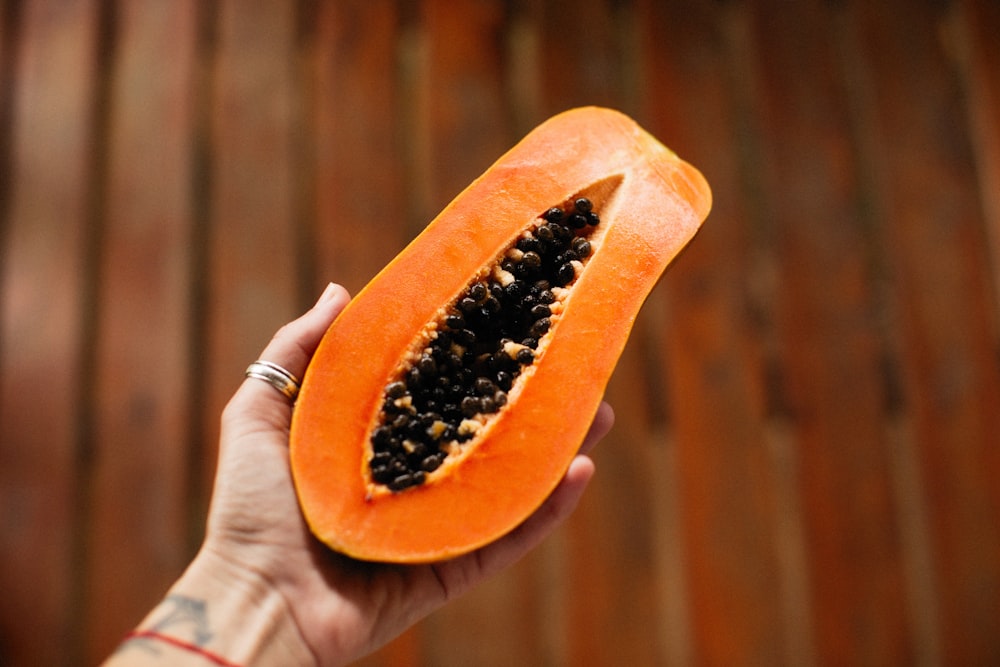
327 294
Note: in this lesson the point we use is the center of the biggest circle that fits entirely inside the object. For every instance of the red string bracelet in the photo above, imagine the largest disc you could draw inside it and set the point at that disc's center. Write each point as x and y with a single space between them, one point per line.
180 643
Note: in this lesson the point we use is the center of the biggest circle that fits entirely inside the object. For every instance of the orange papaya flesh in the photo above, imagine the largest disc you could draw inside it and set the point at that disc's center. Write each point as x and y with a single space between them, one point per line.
649 203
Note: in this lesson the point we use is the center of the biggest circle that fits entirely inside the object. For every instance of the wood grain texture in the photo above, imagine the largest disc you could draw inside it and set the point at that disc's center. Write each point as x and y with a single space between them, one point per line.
714 341
252 239
825 304
940 287
45 330
141 404
802 472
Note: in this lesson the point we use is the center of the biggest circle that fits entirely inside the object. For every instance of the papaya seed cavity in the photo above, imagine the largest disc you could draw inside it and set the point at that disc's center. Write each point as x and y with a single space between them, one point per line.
442 397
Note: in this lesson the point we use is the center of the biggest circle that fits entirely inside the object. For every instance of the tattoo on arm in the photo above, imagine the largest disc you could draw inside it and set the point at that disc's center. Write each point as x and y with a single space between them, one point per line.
185 617
186 613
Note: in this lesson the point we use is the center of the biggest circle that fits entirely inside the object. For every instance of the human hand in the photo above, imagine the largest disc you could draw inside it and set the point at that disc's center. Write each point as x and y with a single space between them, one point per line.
268 589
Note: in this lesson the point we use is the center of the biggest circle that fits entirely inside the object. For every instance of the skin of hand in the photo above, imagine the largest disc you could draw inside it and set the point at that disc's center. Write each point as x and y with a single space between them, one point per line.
341 608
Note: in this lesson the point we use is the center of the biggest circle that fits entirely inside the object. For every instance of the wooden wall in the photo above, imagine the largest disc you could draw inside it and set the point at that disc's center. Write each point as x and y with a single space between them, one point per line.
804 469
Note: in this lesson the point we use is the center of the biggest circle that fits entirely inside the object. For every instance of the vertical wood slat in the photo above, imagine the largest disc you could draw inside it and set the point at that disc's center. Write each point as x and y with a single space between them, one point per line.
612 572
42 340
946 334
911 507
10 47
974 37
579 56
714 362
467 126
141 371
252 241
360 217
829 342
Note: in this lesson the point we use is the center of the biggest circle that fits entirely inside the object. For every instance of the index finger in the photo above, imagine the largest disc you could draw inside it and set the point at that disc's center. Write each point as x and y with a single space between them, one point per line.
291 348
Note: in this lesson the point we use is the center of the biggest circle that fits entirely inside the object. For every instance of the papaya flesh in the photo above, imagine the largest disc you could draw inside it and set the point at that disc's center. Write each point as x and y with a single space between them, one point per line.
490 470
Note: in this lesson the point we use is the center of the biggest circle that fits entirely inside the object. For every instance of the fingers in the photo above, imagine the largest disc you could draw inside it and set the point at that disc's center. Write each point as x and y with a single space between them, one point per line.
455 577
557 507
604 419
463 573
294 344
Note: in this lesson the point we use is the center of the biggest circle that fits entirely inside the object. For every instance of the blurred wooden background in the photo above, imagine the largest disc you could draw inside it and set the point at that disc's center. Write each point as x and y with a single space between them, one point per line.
804 468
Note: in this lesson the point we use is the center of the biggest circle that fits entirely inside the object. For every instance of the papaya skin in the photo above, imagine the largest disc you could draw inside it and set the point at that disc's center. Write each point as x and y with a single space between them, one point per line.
652 203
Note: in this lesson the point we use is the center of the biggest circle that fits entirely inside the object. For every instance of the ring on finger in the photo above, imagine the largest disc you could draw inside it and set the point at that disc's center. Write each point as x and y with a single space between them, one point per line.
276 376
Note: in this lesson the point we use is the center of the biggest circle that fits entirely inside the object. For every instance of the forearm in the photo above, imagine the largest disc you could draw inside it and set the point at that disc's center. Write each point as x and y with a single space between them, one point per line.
216 614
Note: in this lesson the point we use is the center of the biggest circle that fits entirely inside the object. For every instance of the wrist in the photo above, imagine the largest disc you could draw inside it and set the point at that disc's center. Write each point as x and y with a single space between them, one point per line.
219 613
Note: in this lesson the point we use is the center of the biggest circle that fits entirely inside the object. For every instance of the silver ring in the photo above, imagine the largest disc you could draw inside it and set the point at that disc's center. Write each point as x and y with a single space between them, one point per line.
276 376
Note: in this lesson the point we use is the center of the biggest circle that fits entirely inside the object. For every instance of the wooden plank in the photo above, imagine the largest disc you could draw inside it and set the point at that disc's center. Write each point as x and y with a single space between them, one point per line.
523 45
975 27
467 122
10 27
580 57
253 242
829 338
356 117
611 568
909 497
714 337
42 324
941 291
141 428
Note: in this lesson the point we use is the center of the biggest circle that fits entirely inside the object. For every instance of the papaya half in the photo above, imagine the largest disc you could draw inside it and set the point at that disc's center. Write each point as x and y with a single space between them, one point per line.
447 400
